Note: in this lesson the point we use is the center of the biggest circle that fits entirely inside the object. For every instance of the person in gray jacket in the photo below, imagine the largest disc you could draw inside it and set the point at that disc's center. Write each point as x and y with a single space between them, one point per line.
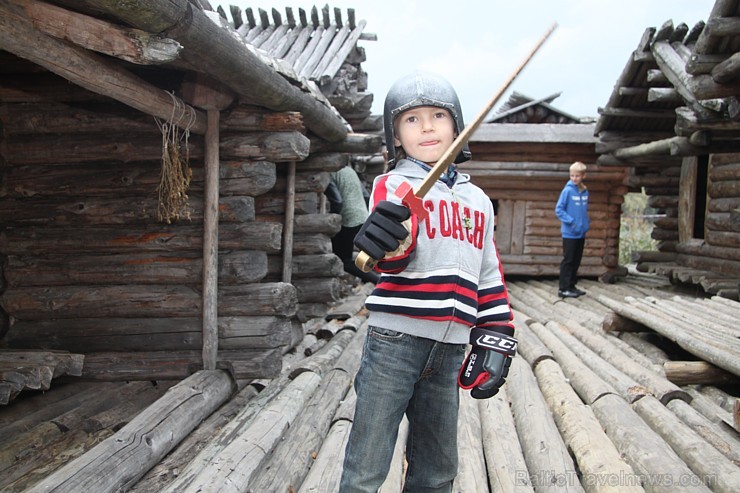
443 290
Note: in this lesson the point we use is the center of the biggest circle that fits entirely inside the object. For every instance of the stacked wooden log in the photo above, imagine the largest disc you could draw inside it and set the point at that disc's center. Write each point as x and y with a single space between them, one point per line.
706 256
584 409
34 370
91 269
43 431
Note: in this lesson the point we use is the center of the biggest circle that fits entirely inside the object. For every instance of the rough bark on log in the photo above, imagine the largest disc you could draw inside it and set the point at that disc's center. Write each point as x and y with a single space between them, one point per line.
471 473
36 303
307 267
112 465
237 462
289 462
240 267
595 455
172 238
506 468
711 467
168 469
177 365
328 224
547 458
721 438
316 290
642 448
326 471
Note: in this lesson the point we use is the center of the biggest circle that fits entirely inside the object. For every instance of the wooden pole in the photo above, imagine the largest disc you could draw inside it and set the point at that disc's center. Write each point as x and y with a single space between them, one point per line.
210 243
288 229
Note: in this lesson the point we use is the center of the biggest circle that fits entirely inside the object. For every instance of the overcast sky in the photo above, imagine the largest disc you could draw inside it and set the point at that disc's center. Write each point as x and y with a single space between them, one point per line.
477 44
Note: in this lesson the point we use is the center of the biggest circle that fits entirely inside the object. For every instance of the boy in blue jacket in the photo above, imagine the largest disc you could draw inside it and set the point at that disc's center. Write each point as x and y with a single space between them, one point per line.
572 211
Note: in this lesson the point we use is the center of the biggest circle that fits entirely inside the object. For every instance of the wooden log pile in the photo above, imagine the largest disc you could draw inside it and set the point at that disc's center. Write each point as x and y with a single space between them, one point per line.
34 370
707 257
584 409
90 267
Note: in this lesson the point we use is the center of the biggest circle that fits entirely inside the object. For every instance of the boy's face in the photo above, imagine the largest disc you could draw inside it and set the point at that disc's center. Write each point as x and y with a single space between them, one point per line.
425 132
577 177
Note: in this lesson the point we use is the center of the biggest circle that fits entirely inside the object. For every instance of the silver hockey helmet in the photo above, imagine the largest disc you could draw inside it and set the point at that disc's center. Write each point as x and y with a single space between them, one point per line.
421 89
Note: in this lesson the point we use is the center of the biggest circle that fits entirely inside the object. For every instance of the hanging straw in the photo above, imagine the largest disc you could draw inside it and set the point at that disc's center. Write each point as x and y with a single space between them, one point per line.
176 172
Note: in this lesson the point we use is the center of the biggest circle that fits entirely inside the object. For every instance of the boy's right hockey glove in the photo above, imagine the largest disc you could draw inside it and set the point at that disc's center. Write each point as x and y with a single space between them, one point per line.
487 365
383 230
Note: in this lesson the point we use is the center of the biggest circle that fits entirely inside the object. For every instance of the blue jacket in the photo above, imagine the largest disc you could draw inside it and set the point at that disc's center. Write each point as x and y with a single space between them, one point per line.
572 210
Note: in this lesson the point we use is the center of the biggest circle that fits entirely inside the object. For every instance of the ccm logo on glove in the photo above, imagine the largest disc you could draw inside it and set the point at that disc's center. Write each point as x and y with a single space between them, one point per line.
501 343
486 367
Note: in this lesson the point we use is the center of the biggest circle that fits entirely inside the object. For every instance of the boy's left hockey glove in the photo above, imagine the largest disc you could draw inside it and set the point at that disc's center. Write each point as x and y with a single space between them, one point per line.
487 365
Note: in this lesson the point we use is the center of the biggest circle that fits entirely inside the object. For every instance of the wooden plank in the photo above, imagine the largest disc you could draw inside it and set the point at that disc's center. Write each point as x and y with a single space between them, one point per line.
518 229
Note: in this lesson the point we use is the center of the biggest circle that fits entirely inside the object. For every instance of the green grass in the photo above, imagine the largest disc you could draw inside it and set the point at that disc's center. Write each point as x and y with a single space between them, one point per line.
635 228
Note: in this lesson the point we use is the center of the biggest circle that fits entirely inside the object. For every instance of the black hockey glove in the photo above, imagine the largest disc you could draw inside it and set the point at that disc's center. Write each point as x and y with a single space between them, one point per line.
383 231
487 365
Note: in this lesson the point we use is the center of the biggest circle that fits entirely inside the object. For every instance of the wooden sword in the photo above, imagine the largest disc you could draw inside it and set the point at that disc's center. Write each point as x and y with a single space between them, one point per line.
412 198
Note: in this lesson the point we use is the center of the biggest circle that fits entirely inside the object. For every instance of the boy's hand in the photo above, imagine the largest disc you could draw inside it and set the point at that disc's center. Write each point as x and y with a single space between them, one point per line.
383 230
487 365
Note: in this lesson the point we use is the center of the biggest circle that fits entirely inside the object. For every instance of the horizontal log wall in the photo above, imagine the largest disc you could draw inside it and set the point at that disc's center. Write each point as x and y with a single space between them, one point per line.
89 267
527 228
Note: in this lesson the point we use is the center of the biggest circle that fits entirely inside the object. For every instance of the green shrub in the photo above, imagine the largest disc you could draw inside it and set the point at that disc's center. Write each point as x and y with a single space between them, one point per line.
635 227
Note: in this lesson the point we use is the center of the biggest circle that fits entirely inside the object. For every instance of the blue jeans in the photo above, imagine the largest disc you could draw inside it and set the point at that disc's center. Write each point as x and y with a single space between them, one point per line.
398 374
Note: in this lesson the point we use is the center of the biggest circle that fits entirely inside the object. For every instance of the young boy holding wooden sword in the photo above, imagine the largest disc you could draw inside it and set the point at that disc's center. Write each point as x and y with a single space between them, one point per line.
444 290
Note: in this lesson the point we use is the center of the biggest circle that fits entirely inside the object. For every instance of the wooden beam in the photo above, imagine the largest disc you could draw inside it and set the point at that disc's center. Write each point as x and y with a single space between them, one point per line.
132 45
287 269
217 52
18 36
728 70
673 66
210 244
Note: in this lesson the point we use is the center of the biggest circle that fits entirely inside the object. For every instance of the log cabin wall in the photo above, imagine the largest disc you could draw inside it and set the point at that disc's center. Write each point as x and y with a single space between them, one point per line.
672 118
523 168
91 269
88 265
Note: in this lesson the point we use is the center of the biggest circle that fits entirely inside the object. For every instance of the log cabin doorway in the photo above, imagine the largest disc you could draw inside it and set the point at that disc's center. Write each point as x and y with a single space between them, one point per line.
692 201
